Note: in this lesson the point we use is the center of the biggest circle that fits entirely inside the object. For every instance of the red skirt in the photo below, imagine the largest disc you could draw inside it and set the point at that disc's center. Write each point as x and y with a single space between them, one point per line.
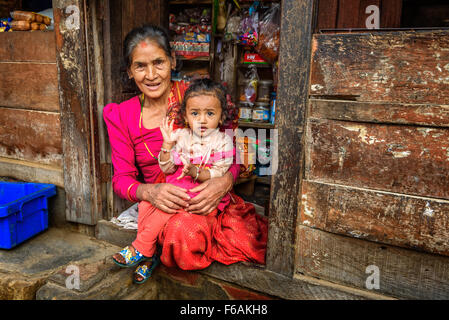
193 242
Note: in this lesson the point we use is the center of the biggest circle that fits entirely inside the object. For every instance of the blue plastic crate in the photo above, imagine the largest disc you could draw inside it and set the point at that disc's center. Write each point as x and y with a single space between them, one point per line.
23 211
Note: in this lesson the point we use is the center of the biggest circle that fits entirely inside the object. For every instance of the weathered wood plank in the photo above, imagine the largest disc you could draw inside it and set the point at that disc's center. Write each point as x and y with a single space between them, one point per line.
31 171
292 96
37 46
401 220
391 11
297 288
402 159
348 14
327 14
403 273
30 135
29 86
75 61
383 66
394 113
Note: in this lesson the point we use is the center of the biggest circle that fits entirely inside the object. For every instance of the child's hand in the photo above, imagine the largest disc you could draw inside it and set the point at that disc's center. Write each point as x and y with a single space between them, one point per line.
186 171
167 130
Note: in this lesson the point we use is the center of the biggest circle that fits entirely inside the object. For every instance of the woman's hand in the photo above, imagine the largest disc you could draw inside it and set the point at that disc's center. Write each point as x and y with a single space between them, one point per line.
164 196
210 194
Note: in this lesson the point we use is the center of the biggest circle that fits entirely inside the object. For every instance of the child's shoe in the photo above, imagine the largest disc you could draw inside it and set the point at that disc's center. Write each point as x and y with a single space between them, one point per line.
130 259
144 271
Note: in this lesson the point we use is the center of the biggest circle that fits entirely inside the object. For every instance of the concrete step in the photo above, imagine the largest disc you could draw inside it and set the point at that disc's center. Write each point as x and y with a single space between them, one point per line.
60 264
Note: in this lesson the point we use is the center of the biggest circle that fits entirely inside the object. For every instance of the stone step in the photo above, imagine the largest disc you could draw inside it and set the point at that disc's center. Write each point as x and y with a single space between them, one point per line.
51 264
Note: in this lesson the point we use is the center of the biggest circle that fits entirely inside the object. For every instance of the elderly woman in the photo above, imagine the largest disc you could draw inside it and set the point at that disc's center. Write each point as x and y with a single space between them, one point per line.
189 241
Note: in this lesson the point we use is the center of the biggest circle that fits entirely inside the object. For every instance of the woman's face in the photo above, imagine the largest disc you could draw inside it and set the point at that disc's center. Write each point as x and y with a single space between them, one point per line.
151 69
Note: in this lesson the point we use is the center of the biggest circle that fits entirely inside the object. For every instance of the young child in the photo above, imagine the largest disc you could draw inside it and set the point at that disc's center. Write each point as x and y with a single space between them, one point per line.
188 157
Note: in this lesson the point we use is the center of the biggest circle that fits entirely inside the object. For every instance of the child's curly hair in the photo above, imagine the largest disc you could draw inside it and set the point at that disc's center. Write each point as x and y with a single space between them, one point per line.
207 86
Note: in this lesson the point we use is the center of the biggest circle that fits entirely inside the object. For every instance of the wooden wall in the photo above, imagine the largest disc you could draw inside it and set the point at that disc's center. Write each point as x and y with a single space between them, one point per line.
124 16
30 133
376 178
344 14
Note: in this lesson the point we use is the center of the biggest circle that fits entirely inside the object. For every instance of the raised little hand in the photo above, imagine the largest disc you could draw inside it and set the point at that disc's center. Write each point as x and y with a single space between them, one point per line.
167 130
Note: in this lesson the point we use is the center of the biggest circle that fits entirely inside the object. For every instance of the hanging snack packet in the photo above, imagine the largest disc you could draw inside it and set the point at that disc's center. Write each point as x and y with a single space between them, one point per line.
269 34
250 90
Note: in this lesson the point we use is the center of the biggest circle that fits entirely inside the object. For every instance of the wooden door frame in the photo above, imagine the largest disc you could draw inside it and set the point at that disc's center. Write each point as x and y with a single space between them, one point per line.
79 66
291 104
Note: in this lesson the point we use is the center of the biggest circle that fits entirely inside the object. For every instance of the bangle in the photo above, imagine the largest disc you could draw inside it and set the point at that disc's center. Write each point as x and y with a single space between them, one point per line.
129 188
197 173
166 150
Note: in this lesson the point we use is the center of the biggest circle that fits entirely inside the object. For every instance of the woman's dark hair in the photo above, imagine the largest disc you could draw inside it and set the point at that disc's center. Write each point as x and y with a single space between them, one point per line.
145 33
207 86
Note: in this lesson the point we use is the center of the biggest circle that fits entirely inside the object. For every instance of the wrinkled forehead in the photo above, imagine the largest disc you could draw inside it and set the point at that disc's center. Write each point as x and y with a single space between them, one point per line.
149 50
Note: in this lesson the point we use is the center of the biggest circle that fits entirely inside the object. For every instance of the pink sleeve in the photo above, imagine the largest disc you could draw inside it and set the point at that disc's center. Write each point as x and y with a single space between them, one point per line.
122 153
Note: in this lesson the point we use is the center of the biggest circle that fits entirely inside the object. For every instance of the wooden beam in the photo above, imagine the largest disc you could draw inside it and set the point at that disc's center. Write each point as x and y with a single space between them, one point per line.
299 288
408 67
75 60
327 14
344 260
29 85
31 136
292 97
396 158
36 46
31 171
429 115
397 219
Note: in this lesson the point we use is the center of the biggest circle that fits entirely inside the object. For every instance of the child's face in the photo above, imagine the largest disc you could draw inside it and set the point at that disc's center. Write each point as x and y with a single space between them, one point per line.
203 114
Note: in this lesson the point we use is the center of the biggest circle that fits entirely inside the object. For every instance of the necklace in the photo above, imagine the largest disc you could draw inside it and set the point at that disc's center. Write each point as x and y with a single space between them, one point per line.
140 126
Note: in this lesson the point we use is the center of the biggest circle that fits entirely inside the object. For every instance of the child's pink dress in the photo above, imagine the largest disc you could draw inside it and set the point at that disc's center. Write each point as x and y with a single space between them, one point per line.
214 152
188 241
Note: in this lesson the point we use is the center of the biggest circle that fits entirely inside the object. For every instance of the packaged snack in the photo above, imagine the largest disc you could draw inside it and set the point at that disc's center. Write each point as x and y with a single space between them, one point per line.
249 30
232 27
269 34
250 57
247 155
248 86
23 16
245 111
261 112
264 90
38 26
20 25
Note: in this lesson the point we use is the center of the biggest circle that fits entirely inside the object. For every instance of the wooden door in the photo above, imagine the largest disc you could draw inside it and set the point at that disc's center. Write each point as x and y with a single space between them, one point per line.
120 18
376 178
